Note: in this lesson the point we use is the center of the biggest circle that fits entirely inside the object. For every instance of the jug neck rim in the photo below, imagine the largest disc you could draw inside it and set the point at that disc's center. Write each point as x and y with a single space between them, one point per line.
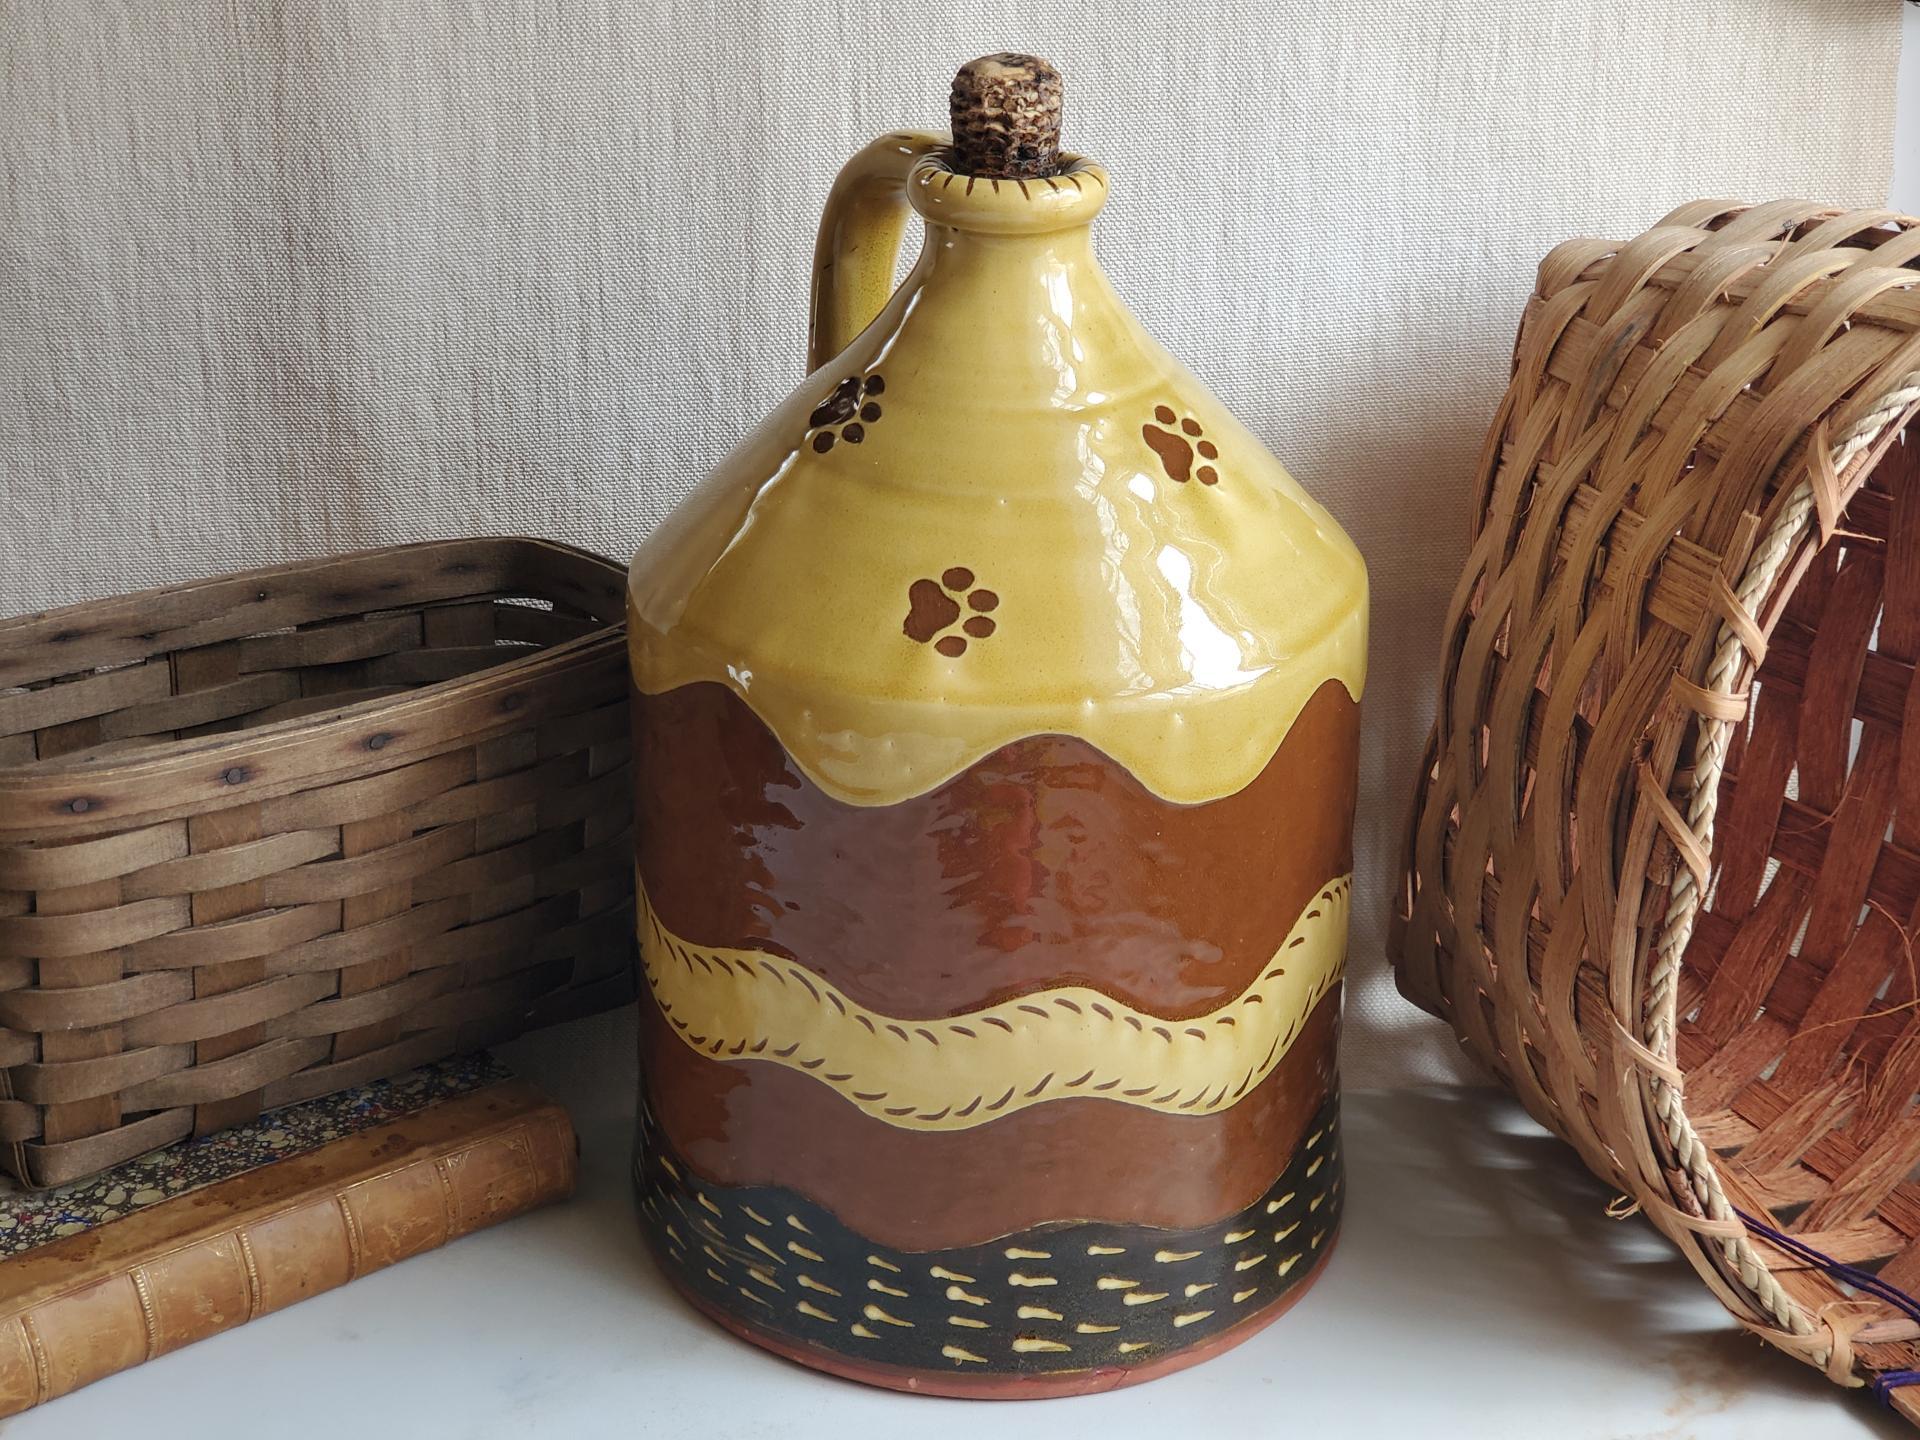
985 205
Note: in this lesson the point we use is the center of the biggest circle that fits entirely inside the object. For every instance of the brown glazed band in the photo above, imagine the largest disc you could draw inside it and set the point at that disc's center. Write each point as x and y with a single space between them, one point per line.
1044 864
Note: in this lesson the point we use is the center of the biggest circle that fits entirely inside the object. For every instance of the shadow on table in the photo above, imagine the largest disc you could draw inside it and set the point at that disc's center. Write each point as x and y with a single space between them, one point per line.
1462 1205
589 1066
1461 1210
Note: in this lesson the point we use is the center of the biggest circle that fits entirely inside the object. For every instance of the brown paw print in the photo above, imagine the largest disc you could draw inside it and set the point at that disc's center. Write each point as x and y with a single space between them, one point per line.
1176 449
932 609
846 413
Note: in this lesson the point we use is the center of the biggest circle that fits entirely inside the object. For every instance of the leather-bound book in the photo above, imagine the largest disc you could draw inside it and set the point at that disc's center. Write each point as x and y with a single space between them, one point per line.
209 1234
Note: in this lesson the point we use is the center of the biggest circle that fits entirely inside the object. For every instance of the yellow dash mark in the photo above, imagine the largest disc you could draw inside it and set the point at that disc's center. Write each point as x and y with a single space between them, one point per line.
966 1297
757 1299
940 1272
1114 1282
1286 1264
1190 1317
668 1166
1234 1237
714 1255
1250 1261
706 1203
1014 1252
674 1235
1083 1328
765 1279
968 1321
874 1312
766 1250
863 1332
1193 1290
807 1282
1314 1203
955 1353
1170 1257
1240 1296
1106 1250
807 1307
755 1215
1016 1278
1027 1344
1280 1235
1037 1312
884 1265
1134 1297
716 1275
885 1289
1318 1161
794 1221
1318 1236
1314 1138
1273 1205
805 1254
1127 1347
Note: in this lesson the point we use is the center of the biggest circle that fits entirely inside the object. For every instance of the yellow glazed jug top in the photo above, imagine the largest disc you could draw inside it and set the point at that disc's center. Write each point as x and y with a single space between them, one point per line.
996 509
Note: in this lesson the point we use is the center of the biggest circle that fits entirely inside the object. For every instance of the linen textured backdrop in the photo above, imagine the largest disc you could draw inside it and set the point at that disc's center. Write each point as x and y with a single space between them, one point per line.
278 279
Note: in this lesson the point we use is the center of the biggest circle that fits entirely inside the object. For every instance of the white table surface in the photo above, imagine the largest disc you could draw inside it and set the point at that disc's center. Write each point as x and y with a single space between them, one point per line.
1478 1291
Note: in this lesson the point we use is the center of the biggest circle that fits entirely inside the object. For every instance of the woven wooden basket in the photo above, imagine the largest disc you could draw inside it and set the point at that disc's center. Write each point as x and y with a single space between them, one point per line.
272 835
1664 861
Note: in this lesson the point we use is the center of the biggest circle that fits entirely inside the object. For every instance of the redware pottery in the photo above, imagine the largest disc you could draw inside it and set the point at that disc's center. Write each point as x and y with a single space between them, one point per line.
995 718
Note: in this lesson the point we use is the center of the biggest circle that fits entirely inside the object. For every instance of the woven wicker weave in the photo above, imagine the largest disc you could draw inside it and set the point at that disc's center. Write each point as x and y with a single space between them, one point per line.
269 836
1664 863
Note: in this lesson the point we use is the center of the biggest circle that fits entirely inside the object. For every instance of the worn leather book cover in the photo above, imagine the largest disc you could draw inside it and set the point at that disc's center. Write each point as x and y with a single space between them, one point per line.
209 1234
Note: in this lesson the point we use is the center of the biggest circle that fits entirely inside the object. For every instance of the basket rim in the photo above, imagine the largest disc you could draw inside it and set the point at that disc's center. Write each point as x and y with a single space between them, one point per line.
39 802
1837 468
11 625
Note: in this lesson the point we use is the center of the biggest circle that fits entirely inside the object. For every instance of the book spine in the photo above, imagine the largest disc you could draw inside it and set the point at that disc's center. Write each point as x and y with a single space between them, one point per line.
261 1264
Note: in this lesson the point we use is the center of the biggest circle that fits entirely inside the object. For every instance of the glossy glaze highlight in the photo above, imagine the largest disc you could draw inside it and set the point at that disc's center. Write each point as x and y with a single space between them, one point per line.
1178 624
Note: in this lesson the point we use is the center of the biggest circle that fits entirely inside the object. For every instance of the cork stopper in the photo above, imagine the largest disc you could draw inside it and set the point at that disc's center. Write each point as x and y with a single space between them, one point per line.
1006 117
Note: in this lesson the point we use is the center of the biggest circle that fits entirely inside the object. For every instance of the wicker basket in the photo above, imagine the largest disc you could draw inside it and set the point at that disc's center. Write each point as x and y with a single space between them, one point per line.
1665 852
269 836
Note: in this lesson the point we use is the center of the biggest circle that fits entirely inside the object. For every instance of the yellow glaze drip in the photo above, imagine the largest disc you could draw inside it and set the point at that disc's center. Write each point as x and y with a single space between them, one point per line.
955 1072
1136 570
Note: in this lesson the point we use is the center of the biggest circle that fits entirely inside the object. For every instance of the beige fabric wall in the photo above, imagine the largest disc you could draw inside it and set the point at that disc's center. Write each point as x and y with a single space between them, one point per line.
284 278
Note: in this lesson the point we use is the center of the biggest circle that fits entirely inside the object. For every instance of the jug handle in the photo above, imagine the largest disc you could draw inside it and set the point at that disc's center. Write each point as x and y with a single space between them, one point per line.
859 243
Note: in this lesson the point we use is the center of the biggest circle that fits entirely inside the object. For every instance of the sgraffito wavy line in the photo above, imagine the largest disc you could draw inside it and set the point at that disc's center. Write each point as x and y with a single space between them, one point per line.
958 1071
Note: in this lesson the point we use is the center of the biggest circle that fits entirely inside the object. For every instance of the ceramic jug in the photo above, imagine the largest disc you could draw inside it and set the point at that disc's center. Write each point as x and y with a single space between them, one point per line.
996 710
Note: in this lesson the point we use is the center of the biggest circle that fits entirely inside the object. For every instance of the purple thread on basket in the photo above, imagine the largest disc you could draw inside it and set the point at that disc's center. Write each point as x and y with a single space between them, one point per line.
1888 1381
1885 1382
